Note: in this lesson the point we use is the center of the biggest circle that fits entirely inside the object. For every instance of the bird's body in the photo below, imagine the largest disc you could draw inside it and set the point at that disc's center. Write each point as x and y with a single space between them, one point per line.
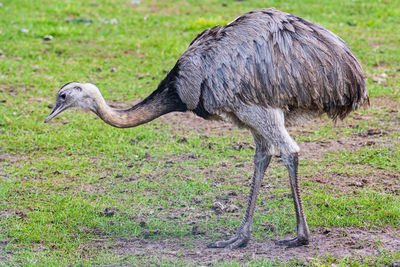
271 59
263 71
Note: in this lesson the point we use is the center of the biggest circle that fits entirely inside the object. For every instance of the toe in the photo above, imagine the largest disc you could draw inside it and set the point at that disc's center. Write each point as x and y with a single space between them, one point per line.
223 243
239 243
295 242
212 245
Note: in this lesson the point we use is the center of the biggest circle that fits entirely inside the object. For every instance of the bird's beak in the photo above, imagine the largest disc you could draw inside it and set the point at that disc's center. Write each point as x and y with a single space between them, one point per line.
56 110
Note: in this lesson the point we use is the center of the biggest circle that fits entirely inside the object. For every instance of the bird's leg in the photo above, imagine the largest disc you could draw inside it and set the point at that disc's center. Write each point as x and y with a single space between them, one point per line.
242 237
291 163
270 124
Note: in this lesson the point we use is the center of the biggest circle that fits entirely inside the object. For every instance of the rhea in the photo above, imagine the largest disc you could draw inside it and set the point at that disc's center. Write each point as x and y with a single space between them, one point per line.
263 71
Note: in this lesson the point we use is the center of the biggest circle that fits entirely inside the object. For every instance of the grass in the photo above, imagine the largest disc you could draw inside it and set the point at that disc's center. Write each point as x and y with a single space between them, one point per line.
56 180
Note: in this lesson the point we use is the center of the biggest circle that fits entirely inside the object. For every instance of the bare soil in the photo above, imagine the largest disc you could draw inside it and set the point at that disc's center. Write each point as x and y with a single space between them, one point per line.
339 242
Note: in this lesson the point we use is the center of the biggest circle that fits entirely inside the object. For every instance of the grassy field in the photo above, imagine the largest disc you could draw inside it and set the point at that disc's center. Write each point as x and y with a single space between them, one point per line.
79 192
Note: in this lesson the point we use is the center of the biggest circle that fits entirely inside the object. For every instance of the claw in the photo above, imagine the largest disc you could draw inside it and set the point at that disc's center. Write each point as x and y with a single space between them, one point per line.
237 241
294 242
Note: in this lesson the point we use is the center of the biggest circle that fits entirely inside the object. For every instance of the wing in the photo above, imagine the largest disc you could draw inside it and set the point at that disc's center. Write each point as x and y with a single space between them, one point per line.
270 58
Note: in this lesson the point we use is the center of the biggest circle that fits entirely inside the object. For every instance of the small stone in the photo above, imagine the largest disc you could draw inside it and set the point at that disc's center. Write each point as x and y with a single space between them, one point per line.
378 80
238 146
135 3
24 30
113 21
358 184
218 207
1 52
232 208
48 38
113 69
1 4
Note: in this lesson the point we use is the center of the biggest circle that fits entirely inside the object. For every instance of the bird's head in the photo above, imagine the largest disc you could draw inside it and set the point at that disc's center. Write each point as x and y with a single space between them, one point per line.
74 94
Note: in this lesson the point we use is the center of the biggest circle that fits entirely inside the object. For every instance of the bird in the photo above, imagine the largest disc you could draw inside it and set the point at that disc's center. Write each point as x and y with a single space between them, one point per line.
264 71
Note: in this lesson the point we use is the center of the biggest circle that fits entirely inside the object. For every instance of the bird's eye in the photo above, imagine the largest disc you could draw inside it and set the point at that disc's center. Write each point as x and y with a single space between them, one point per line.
62 96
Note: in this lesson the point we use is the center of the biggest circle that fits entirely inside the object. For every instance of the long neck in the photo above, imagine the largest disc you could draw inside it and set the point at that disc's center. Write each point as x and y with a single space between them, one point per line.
126 118
157 104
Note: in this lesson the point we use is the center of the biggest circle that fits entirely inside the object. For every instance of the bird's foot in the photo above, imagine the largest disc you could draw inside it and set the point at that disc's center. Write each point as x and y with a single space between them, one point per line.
294 242
238 241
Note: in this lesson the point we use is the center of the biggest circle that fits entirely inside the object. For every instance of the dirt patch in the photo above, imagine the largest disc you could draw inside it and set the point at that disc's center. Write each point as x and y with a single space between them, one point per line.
314 150
13 213
377 180
339 242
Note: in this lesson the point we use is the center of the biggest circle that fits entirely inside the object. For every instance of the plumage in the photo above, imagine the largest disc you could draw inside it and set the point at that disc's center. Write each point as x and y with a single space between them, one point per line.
264 70
274 59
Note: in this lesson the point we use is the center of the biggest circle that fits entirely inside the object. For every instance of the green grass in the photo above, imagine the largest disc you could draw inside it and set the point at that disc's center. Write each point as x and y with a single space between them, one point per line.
57 178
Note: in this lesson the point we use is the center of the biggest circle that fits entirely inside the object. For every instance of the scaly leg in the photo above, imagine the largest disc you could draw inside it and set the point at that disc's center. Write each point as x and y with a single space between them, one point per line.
270 123
291 163
261 161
